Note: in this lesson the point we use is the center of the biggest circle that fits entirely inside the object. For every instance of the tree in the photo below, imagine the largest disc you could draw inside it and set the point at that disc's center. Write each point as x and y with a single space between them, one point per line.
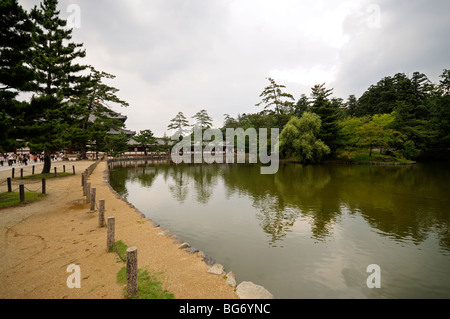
328 111
301 106
351 105
56 73
299 139
15 74
283 103
178 123
145 138
117 144
439 104
203 120
89 104
377 133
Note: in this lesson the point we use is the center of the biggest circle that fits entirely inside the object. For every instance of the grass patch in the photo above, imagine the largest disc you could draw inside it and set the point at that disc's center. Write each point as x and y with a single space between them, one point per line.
13 199
149 284
121 249
46 176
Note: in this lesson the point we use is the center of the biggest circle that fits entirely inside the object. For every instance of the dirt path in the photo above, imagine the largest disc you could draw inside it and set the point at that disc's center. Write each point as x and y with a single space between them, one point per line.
40 240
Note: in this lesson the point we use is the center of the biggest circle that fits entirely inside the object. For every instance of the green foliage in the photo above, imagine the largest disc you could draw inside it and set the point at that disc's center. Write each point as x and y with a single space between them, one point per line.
409 150
282 102
116 144
367 132
145 138
299 141
328 111
48 121
202 120
92 118
178 124
15 74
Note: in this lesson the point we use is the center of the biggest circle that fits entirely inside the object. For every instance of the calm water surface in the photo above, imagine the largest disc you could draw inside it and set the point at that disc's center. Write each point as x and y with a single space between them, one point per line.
307 231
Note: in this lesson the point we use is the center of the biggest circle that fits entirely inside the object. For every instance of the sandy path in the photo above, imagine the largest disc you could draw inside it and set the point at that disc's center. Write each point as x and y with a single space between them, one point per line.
40 240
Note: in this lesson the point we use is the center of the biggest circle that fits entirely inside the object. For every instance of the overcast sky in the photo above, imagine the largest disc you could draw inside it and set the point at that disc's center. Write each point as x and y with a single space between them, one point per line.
186 55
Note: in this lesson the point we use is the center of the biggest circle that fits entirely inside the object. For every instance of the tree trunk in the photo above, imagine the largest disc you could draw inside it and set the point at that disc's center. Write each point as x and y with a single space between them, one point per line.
83 151
47 163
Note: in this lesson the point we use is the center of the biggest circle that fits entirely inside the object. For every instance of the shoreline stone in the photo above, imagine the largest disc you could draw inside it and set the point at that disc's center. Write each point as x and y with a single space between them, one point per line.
231 279
249 290
216 269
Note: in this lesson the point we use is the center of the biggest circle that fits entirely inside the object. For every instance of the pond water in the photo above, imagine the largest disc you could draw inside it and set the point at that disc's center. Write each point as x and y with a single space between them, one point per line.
307 231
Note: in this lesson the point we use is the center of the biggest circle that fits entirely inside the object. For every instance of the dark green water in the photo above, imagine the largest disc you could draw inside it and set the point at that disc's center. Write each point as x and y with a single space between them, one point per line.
307 231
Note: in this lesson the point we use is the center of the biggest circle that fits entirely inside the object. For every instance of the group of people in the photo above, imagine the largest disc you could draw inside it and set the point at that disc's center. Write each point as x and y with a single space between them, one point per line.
21 159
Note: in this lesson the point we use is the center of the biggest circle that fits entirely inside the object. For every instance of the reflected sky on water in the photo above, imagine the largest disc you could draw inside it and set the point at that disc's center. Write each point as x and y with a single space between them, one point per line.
307 231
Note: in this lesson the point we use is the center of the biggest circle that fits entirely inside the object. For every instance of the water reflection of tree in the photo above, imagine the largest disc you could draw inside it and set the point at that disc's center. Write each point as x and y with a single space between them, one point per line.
179 183
205 177
118 178
294 191
402 202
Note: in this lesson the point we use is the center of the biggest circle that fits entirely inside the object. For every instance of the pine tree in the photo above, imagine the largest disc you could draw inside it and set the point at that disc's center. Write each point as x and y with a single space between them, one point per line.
89 107
178 123
145 138
56 74
15 75
328 110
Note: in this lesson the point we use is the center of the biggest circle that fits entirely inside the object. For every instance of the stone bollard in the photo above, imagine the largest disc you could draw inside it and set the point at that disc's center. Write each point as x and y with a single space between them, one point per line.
88 193
132 269
110 241
101 213
92 199
22 193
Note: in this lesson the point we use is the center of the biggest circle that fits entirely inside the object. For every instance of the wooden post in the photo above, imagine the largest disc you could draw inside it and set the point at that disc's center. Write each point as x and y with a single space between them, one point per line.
73 168
64 168
43 186
55 171
22 193
86 185
88 193
32 170
132 269
21 173
12 173
9 185
101 213
93 191
110 241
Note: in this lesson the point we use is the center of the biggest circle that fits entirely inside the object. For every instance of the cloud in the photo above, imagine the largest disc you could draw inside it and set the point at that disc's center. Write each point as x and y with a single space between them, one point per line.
171 56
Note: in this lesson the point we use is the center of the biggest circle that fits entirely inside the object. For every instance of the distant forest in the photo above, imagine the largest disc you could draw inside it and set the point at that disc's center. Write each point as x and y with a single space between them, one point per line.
399 118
